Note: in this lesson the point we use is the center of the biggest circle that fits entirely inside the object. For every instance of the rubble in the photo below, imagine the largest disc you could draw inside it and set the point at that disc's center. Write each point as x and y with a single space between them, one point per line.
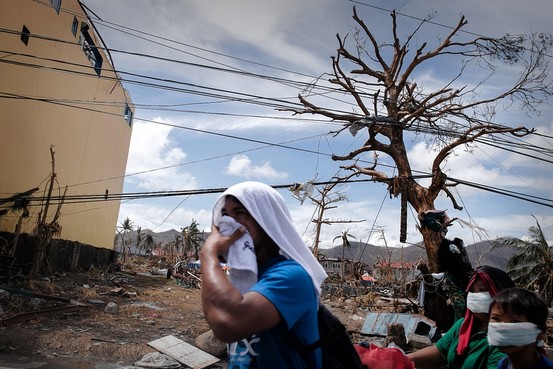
150 306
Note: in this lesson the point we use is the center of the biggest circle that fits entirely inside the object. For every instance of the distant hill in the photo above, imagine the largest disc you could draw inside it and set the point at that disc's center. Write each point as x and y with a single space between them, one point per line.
478 253
158 237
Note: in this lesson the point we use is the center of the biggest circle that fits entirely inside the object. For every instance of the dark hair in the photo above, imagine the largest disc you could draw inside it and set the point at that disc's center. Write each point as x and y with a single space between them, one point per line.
523 302
499 277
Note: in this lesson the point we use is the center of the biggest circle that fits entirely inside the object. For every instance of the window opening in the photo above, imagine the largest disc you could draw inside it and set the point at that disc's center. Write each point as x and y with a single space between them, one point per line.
90 49
127 114
75 26
25 35
56 4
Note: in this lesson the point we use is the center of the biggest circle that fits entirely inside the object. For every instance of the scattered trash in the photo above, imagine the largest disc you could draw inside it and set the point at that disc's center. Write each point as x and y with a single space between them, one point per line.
157 360
158 271
376 324
116 291
72 305
185 274
146 304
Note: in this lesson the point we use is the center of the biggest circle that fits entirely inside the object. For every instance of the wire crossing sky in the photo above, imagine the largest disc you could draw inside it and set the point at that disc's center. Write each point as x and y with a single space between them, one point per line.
215 83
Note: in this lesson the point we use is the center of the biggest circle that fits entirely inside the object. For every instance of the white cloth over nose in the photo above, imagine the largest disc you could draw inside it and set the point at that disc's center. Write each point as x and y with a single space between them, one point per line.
241 258
270 211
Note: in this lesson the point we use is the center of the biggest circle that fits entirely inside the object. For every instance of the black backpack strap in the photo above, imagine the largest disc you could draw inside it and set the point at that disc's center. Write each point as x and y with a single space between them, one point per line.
325 339
337 350
303 351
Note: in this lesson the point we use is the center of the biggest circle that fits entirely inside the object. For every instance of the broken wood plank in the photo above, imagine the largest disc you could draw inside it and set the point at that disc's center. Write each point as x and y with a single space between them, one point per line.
36 314
183 352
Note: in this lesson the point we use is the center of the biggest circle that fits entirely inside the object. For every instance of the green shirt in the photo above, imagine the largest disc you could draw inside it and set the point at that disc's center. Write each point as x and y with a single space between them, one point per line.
480 354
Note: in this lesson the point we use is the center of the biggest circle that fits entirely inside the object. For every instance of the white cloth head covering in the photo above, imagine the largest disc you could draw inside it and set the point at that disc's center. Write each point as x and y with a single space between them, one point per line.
270 211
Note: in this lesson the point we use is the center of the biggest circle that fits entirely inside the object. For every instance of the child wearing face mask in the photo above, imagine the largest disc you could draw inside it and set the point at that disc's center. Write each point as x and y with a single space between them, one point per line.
517 325
465 345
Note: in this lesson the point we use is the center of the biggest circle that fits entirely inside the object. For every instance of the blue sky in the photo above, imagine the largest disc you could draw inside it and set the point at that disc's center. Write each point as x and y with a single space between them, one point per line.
185 141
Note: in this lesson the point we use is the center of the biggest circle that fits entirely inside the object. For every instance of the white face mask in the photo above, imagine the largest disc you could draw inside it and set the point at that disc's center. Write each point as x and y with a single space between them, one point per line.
479 302
512 334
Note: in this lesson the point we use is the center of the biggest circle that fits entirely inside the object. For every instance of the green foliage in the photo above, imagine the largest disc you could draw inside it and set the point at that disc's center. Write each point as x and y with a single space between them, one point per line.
124 228
192 239
531 266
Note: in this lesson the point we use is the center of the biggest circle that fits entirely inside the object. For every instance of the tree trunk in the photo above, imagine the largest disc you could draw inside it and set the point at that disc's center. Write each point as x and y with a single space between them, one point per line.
435 300
432 241
16 235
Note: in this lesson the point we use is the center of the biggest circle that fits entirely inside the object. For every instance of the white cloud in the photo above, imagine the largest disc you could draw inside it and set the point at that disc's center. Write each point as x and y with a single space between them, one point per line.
299 36
157 158
271 27
160 218
242 166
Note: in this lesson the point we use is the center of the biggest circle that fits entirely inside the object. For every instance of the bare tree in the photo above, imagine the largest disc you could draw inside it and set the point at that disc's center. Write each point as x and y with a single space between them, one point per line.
139 239
388 103
48 226
328 197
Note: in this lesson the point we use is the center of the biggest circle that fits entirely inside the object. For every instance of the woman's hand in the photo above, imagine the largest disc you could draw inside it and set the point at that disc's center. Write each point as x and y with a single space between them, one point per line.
218 244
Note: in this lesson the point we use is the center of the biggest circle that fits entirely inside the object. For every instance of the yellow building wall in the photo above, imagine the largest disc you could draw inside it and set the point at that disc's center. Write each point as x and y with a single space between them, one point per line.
51 95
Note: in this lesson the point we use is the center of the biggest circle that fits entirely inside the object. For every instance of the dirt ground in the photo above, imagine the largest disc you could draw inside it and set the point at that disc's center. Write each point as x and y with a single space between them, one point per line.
44 318
150 307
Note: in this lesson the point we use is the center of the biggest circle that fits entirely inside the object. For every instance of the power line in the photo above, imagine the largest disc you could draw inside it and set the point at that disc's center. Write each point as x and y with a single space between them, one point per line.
228 98
74 199
225 98
517 195
229 136
213 133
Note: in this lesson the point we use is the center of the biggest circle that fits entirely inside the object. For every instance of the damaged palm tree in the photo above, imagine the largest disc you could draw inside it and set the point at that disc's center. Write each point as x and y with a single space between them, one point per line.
19 204
378 79
124 230
47 227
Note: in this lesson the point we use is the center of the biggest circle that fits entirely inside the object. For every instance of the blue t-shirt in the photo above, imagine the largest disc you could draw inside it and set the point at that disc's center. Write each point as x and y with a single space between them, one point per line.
288 286
544 363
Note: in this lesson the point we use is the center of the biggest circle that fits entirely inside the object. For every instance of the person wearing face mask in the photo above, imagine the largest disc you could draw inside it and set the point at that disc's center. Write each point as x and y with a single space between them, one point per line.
518 322
465 344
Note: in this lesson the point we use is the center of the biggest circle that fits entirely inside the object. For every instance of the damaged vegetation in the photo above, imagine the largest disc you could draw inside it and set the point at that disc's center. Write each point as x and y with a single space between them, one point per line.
114 311
67 314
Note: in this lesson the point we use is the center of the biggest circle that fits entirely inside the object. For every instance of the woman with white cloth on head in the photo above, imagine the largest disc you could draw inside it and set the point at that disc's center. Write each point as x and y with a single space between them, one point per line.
286 294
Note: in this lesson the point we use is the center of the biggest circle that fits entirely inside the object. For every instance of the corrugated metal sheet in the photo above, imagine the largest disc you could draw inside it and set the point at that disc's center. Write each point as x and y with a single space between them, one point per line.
376 324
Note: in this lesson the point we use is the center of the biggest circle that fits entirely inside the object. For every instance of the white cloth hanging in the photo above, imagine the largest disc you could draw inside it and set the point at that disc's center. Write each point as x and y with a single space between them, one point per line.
270 211
240 258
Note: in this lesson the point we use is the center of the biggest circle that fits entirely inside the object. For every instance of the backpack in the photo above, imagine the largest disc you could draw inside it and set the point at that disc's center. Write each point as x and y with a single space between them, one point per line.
337 349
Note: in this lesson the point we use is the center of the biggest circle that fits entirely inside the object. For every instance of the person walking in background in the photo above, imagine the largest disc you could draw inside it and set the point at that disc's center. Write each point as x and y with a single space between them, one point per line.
465 344
286 295
518 323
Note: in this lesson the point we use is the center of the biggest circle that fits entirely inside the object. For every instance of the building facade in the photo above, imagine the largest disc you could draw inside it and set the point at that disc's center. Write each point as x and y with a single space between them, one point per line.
59 91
